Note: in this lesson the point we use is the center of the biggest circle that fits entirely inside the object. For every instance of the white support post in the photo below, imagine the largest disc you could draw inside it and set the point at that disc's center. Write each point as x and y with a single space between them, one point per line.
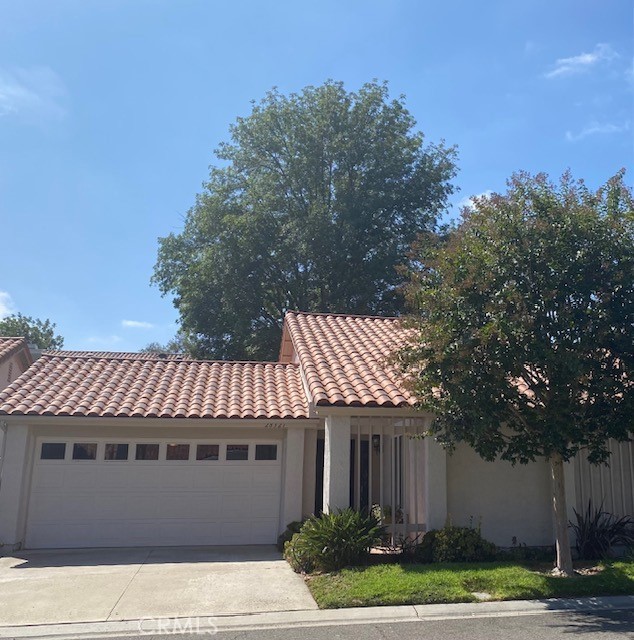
293 477
14 487
416 481
337 463
435 485
310 472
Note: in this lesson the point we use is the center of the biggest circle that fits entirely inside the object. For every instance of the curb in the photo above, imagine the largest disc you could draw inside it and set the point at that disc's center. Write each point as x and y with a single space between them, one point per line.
314 618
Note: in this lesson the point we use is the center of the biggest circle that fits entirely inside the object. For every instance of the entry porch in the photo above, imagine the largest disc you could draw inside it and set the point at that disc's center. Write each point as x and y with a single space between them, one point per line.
380 462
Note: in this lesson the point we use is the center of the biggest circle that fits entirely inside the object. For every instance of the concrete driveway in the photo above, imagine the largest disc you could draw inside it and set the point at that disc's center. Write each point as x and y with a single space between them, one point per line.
99 585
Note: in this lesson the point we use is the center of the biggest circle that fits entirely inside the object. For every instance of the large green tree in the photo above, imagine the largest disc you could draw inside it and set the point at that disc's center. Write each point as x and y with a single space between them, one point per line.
38 332
317 200
525 313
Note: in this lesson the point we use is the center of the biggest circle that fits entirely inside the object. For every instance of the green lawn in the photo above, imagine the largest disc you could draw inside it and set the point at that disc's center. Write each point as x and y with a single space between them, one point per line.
392 584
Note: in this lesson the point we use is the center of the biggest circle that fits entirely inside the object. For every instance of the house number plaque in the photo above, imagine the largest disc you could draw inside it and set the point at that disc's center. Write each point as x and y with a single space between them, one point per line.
275 425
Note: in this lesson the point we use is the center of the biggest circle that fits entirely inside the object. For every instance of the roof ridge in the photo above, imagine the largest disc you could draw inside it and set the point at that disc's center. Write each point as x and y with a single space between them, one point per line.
343 315
121 355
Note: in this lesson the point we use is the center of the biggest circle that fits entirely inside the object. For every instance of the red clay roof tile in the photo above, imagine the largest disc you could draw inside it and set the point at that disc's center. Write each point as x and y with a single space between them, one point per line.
131 385
346 359
10 345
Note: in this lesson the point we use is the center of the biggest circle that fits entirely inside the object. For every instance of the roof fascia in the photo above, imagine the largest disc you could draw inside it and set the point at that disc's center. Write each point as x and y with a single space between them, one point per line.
401 412
203 423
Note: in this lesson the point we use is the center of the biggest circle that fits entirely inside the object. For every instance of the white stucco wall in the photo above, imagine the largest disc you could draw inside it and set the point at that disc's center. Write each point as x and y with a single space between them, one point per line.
508 501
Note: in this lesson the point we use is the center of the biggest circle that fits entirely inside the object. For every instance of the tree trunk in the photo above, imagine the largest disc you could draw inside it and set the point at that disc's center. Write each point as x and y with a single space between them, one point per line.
564 555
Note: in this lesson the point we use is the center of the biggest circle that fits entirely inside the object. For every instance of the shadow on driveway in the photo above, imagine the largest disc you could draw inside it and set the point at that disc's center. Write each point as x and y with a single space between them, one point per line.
37 559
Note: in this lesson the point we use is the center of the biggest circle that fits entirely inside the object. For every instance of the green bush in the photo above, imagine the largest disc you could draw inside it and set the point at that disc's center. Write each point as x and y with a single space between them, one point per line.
333 541
298 556
455 544
291 529
424 552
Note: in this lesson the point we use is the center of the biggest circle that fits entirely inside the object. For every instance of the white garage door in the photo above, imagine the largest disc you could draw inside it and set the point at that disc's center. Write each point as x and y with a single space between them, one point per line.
105 493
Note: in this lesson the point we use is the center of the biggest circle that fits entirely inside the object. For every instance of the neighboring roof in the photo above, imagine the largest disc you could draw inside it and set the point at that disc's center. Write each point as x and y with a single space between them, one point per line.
10 346
144 385
345 359
120 355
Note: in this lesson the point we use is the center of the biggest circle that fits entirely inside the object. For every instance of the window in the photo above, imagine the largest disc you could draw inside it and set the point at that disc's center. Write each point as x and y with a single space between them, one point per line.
207 452
85 451
237 452
266 452
53 451
147 452
116 452
177 452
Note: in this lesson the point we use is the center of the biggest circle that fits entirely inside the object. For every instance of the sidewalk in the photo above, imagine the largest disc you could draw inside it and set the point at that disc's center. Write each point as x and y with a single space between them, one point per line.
312 618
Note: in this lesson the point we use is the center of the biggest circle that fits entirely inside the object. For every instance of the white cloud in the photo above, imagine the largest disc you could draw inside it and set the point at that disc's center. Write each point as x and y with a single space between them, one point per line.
33 94
6 304
469 201
583 61
136 324
595 128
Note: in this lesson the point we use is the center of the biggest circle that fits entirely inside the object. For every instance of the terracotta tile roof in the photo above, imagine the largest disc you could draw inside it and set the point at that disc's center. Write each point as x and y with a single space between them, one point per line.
119 355
9 346
345 359
85 384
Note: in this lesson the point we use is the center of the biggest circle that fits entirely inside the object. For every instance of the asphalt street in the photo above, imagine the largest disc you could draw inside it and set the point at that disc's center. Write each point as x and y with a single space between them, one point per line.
589 626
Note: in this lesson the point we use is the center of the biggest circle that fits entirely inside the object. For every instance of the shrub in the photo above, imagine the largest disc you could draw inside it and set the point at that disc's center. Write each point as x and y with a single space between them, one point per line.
291 529
424 552
459 544
333 541
297 555
598 531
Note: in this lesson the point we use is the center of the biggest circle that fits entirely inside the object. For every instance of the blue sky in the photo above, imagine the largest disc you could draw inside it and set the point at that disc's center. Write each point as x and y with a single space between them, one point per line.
110 111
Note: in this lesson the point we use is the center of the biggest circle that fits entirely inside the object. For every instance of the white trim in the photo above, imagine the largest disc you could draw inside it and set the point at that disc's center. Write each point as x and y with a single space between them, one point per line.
202 423
394 412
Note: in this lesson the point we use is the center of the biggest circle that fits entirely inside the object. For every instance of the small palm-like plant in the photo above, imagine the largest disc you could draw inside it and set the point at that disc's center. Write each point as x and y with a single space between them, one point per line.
332 541
597 531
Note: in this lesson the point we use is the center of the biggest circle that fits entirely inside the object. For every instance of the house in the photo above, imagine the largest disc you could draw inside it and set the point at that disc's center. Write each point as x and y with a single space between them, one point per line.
121 449
15 359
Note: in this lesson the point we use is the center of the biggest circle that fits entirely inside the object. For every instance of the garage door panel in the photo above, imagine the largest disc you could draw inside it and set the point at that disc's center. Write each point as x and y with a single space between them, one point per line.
237 478
179 477
114 476
234 505
47 506
49 478
208 506
262 506
135 503
80 507
235 533
80 478
264 529
206 477
180 505
144 505
145 475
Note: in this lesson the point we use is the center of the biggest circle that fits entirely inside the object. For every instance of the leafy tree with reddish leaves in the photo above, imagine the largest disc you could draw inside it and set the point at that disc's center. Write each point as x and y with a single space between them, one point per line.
525 312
